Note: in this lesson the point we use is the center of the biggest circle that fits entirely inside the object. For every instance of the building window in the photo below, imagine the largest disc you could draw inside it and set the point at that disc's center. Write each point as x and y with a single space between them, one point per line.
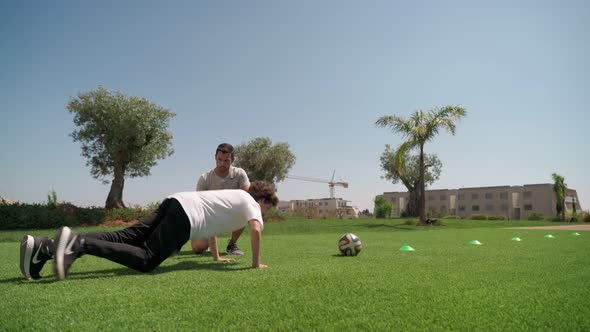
431 198
503 195
392 199
504 207
474 196
489 207
475 208
443 197
461 207
461 197
528 207
528 194
488 195
443 208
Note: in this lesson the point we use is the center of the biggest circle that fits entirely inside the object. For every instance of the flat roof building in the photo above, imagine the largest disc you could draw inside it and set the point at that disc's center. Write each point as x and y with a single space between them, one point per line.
513 202
320 208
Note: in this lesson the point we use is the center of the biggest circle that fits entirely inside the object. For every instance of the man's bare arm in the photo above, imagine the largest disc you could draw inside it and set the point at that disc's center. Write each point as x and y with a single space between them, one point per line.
256 237
215 252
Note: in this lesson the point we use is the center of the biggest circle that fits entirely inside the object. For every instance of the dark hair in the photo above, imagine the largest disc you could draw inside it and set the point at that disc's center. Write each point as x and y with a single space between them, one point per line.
263 190
225 148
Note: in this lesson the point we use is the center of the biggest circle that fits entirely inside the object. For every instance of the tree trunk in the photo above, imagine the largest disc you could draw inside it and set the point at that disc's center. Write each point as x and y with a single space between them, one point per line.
413 201
422 205
115 198
411 207
412 204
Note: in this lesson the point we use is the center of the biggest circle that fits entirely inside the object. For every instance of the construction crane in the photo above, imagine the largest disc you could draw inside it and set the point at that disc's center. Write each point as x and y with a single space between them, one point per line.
331 183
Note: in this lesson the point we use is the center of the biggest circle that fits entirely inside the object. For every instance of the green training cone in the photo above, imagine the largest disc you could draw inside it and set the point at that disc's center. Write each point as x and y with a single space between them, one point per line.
516 239
475 242
407 248
576 233
549 236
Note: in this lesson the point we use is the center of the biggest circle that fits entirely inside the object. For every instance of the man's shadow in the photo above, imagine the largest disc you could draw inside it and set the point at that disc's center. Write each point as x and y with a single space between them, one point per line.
124 271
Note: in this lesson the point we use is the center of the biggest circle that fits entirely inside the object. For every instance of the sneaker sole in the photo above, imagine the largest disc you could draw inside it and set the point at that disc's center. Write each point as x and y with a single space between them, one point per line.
26 251
60 247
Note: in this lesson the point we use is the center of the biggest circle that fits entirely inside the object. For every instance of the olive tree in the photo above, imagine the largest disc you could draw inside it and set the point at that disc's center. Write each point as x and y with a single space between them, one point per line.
408 173
121 136
263 160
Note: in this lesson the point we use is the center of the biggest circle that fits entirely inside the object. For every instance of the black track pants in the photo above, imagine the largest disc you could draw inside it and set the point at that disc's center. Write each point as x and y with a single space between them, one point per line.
146 244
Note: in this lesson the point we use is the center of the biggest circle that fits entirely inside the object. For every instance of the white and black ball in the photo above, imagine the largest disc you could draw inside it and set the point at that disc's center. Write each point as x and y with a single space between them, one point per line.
350 245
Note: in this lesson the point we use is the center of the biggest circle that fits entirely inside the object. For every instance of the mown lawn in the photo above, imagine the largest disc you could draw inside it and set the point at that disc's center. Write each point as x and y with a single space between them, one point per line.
446 284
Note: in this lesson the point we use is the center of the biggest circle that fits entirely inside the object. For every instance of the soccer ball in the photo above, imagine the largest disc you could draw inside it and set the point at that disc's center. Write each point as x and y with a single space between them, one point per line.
350 245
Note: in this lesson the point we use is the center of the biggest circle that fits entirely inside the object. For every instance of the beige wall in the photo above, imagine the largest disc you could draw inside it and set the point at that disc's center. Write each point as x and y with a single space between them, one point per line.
538 198
513 202
485 200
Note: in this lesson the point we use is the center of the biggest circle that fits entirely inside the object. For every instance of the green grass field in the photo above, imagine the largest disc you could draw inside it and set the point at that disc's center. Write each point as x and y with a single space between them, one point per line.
446 284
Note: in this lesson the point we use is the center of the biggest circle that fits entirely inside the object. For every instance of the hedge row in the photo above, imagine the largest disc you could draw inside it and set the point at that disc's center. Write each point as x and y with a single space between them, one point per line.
483 216
41 216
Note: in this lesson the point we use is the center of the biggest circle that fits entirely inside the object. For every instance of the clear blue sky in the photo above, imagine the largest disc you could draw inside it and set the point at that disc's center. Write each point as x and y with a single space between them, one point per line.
314 74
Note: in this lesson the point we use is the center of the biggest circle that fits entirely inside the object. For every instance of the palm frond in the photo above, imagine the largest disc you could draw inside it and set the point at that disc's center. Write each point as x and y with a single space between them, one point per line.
401 152
394 123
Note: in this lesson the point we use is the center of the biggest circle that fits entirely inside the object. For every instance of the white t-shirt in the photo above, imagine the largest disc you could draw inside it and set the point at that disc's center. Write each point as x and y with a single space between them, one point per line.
218 211
236 179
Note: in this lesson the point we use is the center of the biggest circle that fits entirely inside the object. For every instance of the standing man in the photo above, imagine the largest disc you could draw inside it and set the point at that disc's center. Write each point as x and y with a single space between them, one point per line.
143 246
223 176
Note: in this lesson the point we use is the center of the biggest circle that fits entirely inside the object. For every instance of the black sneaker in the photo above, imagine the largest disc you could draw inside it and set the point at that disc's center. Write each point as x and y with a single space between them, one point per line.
67 247
34 253
233 249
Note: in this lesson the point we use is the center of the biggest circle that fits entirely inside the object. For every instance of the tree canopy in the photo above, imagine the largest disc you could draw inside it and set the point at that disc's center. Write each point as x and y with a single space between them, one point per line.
121 136
263 160
409 172
560 190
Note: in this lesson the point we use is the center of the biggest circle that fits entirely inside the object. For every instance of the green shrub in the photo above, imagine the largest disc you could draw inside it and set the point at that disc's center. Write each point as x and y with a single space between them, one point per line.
480 216
128 214
406 214
274 215
553 219
535 216
52 199
584 216
90 216
497 217
48 216
382 208
435 213
41 216
451 217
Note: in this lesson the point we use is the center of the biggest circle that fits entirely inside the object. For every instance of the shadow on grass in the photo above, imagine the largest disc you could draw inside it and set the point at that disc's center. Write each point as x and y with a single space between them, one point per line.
396 226
190 253
342 256
124 271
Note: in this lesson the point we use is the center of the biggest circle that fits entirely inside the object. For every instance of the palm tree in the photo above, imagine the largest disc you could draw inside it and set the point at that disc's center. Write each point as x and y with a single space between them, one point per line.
560 189
420 128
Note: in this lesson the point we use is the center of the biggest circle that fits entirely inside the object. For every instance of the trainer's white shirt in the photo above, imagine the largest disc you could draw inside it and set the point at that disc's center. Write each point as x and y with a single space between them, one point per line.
236 179
218 211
